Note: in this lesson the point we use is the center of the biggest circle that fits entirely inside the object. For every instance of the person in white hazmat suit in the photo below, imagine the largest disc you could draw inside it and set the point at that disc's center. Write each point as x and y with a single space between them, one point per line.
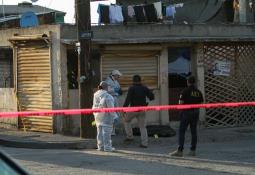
115 90
104 120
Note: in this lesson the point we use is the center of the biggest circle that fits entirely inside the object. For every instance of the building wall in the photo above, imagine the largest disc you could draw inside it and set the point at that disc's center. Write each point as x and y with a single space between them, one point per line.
165 33
59 79
8 102
58 56
163 93
198 53
74 121
6 68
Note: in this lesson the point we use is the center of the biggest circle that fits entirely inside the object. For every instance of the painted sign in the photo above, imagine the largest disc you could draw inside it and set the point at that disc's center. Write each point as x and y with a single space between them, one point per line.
221 68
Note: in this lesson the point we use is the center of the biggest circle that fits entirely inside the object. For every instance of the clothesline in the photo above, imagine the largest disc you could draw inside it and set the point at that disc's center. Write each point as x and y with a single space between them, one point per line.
154 12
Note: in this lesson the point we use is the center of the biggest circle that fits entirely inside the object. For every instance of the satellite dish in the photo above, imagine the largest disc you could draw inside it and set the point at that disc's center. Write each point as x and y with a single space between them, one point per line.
34 0
29 19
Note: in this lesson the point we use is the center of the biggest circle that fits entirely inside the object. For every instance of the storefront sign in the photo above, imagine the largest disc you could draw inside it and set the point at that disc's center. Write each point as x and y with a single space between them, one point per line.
86 35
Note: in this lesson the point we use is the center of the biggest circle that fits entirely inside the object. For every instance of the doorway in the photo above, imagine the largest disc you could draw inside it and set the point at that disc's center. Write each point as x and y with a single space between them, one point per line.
179 68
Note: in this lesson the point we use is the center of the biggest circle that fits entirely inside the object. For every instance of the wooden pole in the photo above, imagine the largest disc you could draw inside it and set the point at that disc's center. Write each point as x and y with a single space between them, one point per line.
84 66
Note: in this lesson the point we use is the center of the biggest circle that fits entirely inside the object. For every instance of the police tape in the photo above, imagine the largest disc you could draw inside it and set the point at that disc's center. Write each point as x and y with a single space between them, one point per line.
122 109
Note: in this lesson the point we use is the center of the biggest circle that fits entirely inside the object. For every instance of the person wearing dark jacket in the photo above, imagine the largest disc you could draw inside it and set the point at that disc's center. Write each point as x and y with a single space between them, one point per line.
136 96
189 117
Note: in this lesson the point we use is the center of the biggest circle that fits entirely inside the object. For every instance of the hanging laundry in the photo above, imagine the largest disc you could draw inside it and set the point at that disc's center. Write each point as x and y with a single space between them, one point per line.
158 7
139 13
180 5
115 14
150 13
163 10
236 7
170 11
131 12
125 14
103 11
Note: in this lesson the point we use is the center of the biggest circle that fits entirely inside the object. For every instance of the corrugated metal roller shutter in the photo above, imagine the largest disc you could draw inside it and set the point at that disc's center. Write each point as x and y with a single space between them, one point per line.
34 84
144 63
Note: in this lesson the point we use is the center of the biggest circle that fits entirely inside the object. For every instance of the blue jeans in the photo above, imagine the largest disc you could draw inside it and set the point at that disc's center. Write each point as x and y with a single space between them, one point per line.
188 118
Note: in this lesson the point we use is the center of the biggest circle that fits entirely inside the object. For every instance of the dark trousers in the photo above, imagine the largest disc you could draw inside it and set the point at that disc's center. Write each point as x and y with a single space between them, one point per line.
188 118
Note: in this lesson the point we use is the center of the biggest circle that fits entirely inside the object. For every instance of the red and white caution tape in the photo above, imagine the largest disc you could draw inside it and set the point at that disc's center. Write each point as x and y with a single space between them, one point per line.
121 109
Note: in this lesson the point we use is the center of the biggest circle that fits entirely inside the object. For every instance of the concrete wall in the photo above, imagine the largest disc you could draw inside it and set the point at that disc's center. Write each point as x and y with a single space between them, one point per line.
74 121
69 32
200 75
59 79
164 33
8 33
164 92
8 102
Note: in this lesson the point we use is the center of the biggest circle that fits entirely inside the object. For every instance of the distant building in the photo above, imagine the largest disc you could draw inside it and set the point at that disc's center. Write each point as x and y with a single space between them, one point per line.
11 15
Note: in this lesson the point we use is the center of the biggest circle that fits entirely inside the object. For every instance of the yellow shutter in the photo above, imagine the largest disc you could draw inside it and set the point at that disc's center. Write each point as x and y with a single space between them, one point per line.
33 83
129 63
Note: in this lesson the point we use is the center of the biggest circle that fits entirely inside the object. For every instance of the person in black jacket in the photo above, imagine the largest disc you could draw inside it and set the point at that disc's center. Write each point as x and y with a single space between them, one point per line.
189 117
136 96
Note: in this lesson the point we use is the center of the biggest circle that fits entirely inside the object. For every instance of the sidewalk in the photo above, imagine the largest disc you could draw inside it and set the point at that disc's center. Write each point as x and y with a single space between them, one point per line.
37 140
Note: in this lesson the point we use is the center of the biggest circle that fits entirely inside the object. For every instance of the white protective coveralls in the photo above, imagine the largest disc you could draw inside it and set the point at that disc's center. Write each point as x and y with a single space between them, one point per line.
113 89
104 120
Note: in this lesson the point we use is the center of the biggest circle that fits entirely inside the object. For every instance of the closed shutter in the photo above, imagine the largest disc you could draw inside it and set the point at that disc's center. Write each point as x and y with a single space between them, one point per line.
129 63
33 83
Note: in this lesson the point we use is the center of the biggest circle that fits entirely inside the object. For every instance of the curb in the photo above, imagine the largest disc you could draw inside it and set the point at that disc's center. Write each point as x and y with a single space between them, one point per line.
88 144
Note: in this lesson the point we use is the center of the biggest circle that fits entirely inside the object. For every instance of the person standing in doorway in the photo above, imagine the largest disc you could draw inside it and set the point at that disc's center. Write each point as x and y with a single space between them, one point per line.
189 117
104 120
136 96
115 90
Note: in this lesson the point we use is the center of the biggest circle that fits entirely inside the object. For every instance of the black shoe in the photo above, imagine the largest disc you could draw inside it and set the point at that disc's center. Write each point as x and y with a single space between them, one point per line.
143 146
177 153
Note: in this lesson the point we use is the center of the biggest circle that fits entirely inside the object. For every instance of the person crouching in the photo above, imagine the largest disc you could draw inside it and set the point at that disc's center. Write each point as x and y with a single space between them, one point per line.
104 120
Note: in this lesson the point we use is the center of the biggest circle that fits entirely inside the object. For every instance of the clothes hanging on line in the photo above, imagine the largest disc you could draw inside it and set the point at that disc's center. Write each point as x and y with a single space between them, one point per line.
103 12
139 13
131 11
115 14
125 14
158 7
150 13
154 12
170 11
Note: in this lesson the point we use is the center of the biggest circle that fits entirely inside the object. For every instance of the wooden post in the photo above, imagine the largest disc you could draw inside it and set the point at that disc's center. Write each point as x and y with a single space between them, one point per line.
84 66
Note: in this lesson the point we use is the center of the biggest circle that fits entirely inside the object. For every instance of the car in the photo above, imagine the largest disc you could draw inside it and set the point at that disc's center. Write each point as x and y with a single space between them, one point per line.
10 167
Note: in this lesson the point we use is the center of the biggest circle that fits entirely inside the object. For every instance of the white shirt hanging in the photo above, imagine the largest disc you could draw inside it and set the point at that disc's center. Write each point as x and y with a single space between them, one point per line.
115 14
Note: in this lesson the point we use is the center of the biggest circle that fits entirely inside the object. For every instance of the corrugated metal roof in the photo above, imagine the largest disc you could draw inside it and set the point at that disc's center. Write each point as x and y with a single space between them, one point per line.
16 9
12 17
